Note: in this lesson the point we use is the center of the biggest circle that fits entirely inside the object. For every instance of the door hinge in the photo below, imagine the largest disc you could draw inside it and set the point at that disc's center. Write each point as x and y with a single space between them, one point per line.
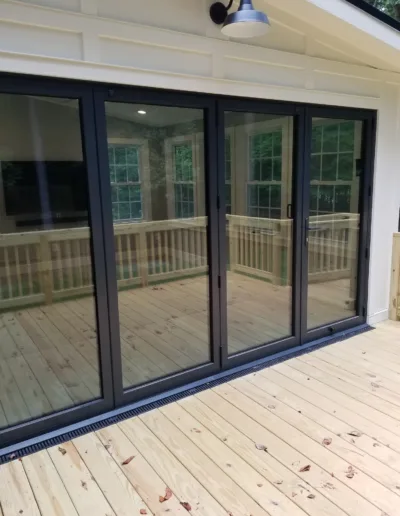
364 311
218 202
219 281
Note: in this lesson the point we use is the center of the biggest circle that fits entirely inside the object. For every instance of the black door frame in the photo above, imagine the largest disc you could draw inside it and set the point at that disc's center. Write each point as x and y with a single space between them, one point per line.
170 99
93 132
368 120
267 108
59 89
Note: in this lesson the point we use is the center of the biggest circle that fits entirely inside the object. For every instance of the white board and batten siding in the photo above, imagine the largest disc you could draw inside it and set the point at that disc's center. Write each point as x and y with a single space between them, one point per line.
173 44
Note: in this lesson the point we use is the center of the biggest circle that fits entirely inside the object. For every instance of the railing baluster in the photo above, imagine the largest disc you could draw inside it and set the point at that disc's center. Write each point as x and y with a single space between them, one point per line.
173 250
29 269
18 271
166 251
8 273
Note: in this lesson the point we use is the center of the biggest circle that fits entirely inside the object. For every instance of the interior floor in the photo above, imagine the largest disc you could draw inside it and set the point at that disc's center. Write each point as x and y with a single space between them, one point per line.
49 354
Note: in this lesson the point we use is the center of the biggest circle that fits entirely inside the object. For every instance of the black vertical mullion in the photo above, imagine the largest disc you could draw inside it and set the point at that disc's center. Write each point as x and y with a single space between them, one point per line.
304 216
97 245
298 173
368 158
99 99
222 235
213 214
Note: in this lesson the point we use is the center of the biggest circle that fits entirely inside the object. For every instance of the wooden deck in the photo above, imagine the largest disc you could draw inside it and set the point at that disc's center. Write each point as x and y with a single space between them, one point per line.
317 435
49 354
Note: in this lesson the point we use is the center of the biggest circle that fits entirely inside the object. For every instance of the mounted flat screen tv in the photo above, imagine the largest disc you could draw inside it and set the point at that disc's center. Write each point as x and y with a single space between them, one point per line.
50 192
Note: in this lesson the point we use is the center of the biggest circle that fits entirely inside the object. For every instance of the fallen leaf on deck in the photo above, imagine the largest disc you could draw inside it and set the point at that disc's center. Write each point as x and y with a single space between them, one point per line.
196 430
107 446
186 506
375 445
167 496
274 503
354 433
375 385
294 494
305 468
259 485
329 485
363 352
143 511
261 447
350 472
327 441
62 450
12 456
278 482
311 496
128 460
272 407
84 485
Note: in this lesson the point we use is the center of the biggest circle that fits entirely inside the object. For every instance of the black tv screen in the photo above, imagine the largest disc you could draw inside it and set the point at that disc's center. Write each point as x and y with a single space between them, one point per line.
58 187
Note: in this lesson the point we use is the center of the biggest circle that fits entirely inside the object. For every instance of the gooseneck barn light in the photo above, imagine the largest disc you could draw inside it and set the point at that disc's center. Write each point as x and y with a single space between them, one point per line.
246 22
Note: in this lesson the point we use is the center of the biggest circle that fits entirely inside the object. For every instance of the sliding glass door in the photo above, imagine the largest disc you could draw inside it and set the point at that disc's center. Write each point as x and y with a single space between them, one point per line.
151 239
259 207
156 161
295 185
54 349
337 194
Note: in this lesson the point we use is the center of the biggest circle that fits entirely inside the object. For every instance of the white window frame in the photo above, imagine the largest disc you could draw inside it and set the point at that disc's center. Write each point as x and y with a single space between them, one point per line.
144 175
196 140
352 183
241 157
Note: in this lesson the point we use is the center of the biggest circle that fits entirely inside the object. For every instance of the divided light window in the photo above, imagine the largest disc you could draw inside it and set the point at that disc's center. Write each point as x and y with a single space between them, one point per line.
332 167
124 161
184 180
265 182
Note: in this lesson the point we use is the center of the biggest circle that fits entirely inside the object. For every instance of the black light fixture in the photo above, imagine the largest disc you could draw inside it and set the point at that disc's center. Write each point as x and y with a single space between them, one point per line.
246 22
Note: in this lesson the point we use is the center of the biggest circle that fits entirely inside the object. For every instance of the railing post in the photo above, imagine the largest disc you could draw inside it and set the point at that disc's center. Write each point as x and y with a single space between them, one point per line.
143 258
46 269
352 257
277 255
233 245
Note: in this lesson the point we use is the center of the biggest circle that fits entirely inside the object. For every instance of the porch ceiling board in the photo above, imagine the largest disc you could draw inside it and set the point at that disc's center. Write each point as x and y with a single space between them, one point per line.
329 420
348 24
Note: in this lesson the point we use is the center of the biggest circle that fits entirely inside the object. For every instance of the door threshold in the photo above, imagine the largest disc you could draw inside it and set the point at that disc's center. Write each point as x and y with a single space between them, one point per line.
57 437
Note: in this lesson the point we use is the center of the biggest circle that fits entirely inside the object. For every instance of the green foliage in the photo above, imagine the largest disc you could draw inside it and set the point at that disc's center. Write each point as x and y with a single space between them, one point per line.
390 7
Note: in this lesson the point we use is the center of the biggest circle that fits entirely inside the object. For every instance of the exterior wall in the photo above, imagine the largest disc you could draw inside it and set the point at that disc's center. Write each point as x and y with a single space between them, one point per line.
177 47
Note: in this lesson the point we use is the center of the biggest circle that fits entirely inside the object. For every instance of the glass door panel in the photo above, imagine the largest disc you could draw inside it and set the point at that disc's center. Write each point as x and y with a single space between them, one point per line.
49 349
157 179
258 194
334 220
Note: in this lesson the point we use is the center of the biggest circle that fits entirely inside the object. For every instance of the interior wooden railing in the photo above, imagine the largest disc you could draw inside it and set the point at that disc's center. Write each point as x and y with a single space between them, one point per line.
45 266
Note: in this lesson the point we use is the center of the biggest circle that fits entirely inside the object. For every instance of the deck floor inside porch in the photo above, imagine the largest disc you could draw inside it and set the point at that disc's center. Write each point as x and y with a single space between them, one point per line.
316 435
49 354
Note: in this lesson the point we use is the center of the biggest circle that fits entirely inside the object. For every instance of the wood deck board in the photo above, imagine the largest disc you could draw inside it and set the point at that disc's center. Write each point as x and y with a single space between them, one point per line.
204 448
